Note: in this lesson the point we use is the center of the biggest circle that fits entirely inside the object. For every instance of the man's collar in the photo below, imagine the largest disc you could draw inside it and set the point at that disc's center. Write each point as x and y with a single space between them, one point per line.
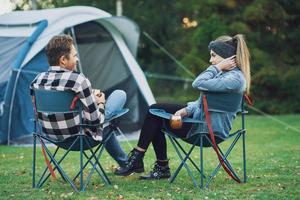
58 68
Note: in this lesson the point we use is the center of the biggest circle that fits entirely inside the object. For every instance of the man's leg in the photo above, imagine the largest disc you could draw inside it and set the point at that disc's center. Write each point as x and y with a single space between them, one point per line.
114 102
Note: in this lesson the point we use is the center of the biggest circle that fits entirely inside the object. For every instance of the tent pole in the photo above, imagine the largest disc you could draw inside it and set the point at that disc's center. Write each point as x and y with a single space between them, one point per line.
119 8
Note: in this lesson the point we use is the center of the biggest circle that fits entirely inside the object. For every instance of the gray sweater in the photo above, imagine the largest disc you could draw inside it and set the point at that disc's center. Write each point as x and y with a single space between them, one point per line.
211 79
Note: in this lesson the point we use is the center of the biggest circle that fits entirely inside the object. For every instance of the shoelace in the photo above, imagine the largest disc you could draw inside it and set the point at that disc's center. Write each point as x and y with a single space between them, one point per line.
131 159
157 168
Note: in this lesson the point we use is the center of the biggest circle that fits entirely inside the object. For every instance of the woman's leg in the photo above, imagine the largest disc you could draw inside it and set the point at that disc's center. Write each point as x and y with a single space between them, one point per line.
150 133
114 103
151 130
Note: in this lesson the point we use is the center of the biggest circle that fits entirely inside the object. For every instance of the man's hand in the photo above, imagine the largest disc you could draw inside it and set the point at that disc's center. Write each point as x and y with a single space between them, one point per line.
100 96
227 64
182 112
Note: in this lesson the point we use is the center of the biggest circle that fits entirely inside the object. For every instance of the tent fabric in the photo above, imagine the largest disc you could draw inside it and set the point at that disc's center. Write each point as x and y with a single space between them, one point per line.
107 47
8 52
58 19
126 29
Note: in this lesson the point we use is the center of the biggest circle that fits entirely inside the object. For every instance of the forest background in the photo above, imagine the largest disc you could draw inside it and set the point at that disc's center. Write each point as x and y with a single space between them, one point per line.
184 29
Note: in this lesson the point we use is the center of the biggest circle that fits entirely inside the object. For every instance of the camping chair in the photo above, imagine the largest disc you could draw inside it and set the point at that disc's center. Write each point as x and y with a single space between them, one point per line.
204 137
66 102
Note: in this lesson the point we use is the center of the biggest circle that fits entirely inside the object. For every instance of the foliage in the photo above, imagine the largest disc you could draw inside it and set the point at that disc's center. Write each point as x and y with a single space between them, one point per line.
271 29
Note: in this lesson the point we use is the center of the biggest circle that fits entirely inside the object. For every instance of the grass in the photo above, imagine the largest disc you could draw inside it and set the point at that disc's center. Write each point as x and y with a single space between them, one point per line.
273 168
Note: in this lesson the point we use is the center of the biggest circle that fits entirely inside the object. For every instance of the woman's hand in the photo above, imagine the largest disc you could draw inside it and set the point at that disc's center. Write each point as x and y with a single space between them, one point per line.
227 64
182 112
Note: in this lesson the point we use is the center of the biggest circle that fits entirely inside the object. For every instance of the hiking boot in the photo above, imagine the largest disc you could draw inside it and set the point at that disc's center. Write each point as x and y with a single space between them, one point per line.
133 164
158 172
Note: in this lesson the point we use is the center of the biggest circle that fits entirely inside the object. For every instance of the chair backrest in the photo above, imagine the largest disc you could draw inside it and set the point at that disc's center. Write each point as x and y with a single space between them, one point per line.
52 101
224 102
217 102
55 119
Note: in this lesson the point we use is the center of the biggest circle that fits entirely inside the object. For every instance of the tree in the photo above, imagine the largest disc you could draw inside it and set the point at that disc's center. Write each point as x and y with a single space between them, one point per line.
186 27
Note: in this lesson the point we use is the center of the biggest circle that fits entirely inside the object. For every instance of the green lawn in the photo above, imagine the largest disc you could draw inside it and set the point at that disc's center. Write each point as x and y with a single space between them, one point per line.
273 167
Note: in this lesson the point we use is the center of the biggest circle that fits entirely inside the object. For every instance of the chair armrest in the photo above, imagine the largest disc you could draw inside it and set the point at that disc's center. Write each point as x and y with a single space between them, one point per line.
117 114
163 114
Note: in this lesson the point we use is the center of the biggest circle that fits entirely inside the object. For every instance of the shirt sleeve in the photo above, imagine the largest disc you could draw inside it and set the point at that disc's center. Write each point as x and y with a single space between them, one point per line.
92 113
213 80
192 106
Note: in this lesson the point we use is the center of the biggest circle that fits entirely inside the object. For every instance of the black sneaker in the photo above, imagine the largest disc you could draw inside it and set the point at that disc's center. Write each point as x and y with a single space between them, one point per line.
134 164
158 172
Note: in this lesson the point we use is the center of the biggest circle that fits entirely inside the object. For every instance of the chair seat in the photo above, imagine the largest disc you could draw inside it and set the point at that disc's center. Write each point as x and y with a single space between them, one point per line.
66 144
190 139
195 139
206 142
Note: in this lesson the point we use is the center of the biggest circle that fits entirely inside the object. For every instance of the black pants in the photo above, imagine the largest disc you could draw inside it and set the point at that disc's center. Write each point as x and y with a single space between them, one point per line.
151 130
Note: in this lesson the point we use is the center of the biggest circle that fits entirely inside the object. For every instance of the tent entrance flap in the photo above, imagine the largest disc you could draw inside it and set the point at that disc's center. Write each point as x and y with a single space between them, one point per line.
104 65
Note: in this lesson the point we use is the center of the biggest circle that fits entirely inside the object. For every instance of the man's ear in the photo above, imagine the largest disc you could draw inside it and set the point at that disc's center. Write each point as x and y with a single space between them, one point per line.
62 60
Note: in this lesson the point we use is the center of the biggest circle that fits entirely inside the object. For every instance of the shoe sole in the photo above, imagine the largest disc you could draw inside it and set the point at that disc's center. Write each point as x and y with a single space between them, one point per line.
148 178
132 172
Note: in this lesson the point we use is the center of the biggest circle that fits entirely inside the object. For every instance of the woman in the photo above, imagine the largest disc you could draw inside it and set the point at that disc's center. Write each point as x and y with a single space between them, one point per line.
229 72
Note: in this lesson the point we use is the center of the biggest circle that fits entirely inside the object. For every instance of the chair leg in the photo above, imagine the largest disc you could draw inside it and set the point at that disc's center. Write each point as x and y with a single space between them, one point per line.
244 156
60 169
81 163
183 162
87 162
224 157
185 153
103 174
42 179
41 182
33 161
201 162
89 158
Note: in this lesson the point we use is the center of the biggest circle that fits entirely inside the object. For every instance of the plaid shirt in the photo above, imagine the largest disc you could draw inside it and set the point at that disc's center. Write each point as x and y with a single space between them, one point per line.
61 126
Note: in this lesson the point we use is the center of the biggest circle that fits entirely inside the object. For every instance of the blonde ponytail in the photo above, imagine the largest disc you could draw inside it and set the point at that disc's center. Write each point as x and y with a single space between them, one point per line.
243 59
242 56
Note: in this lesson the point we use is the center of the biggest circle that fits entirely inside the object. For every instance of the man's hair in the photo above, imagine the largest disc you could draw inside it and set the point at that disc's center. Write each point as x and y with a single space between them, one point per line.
58 46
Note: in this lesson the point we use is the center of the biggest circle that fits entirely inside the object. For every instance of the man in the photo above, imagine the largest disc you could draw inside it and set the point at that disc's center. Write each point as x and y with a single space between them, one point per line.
62 58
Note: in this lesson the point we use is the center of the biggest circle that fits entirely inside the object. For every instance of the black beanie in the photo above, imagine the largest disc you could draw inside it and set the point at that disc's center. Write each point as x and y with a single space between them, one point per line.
223 49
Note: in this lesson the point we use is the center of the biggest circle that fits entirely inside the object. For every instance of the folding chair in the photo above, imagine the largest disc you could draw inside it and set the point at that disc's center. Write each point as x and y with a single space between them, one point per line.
204 137
65 102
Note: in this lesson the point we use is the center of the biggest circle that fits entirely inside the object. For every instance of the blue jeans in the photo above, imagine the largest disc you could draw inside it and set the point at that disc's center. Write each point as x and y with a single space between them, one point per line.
114 102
